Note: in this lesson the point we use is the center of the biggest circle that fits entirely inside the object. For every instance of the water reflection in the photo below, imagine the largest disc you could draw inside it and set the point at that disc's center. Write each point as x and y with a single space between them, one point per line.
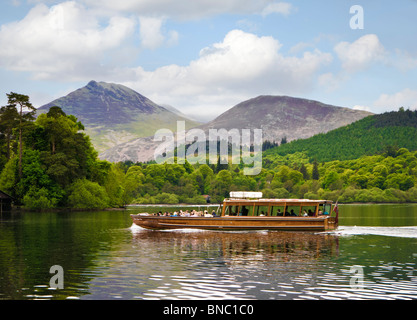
230 265
106 257
240 247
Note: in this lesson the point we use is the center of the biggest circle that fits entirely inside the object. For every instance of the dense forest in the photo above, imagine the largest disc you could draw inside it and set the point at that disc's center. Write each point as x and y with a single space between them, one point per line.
48 162
369 136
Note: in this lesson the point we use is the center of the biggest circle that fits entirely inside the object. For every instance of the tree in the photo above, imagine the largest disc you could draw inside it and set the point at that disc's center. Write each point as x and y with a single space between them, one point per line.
304 172
26 113
85 194
9 118
315 174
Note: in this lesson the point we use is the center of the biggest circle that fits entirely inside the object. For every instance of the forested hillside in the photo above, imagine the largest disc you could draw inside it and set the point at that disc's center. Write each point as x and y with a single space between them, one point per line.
368 136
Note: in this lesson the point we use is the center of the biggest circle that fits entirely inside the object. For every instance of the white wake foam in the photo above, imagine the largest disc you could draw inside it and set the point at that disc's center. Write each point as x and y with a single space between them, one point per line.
404 232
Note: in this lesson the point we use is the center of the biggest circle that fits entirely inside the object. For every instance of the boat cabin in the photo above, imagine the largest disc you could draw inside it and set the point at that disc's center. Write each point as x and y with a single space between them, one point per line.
252 204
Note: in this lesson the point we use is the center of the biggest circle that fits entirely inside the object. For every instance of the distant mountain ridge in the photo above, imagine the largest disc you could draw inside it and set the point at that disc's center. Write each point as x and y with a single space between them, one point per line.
277 116
283 116
113 113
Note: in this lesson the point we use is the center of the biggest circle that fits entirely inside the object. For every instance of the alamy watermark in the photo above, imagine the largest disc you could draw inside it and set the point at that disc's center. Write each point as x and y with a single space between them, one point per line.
356 280
357 20
245 147
57 281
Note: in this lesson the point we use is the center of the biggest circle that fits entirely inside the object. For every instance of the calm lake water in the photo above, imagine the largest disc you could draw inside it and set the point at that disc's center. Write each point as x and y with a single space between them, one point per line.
104 256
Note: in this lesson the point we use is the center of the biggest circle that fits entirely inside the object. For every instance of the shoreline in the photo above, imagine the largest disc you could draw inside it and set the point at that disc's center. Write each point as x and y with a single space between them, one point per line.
126 207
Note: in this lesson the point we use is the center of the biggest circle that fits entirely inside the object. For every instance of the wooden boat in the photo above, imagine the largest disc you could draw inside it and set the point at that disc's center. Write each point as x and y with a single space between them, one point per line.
248 211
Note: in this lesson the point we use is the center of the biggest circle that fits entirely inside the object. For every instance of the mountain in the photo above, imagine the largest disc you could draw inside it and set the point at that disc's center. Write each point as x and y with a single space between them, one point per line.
380 133
277 116
283 116
113 114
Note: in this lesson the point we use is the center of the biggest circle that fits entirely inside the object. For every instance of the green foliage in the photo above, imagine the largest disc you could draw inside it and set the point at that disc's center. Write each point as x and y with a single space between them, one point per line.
85 194
39 199
53 153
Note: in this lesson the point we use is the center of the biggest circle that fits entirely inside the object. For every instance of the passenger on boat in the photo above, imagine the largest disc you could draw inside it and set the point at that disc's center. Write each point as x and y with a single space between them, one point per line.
244 211
206 214
305 214
293 213
175 214
310 213
213 213
279 213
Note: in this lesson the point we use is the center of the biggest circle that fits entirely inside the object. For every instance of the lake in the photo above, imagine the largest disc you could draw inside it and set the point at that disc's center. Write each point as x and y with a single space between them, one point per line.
373 255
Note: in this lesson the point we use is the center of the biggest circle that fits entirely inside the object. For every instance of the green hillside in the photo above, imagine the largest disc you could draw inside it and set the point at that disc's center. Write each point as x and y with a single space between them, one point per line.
371 135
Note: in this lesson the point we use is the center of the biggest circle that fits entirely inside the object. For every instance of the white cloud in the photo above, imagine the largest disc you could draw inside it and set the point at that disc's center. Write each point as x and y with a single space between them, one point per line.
363 108
60 41
151 34
406 98
240 66
361 53
277 7
188 10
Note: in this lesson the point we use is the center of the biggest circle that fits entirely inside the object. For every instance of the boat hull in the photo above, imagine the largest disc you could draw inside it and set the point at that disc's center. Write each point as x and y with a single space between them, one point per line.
236 223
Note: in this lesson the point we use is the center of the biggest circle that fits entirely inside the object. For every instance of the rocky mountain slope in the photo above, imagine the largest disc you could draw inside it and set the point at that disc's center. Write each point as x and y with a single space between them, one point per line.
282 116
113 114
277 116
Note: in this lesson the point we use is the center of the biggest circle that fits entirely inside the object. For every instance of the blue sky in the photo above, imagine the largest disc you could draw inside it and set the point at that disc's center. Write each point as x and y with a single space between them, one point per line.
205 56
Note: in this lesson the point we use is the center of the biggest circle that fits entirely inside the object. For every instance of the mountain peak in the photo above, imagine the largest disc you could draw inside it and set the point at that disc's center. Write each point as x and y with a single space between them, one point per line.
105 103
285 116
114 114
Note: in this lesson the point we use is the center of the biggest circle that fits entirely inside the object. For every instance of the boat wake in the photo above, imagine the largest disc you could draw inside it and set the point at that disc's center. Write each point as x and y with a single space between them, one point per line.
136 229
404 232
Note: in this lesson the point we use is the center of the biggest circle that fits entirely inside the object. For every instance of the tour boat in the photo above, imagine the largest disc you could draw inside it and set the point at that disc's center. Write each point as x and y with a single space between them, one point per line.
249 211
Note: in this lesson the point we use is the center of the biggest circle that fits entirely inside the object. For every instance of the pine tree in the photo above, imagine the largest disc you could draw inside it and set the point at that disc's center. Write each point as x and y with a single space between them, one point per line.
8 121
315 174
26 113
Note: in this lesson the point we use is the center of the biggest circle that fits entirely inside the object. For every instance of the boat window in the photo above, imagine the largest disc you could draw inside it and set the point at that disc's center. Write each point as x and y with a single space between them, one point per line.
277 211
327 209
292 211
261 210
234 210
309 210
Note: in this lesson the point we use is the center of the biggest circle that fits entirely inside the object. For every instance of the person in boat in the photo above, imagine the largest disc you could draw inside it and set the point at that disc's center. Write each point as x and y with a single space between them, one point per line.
175 214
293 213
244 211
305 214
310 213
213 213
279 213
206 214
